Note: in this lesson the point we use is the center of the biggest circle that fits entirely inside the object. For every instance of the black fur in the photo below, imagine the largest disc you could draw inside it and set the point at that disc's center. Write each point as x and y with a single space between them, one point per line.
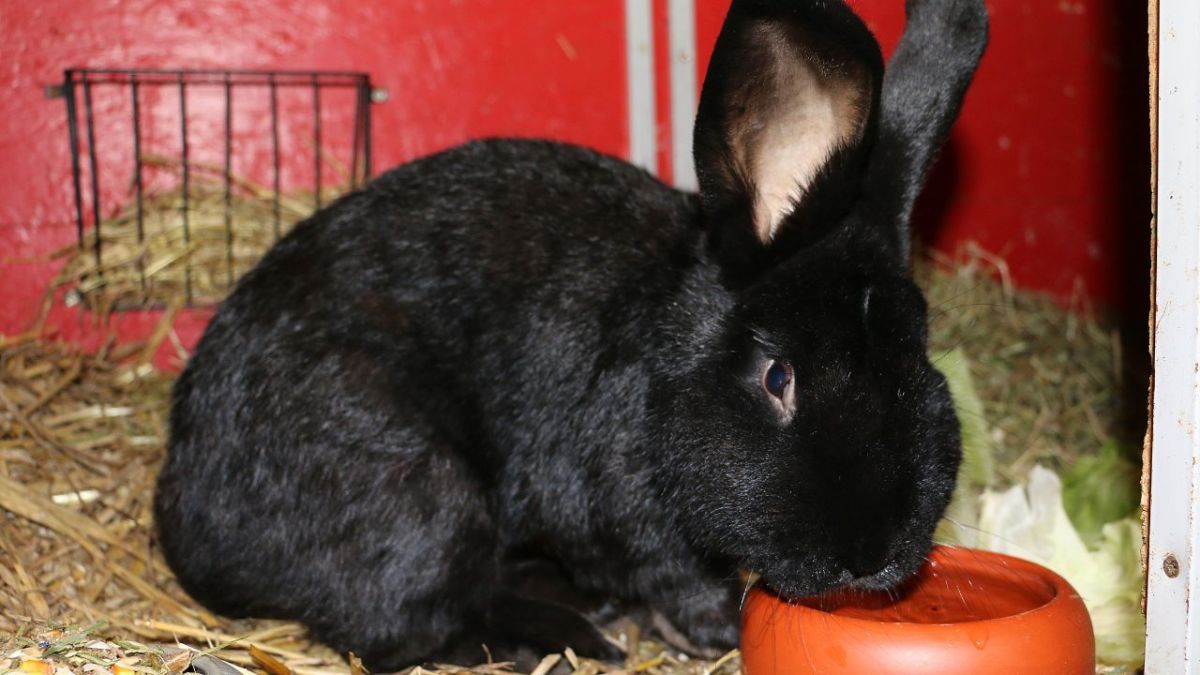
517 356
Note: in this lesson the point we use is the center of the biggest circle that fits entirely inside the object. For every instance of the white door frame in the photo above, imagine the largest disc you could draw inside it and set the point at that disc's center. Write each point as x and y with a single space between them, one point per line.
1173 564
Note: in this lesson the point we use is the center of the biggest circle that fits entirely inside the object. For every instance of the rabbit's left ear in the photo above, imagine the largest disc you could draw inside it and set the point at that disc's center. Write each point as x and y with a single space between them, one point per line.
785 119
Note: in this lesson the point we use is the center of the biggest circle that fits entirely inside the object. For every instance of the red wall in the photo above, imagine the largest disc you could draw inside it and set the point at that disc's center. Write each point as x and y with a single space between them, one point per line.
1048 166
453 70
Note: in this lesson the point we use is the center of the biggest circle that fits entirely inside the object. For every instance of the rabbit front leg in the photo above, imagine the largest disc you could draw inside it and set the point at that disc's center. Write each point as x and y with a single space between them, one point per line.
694 611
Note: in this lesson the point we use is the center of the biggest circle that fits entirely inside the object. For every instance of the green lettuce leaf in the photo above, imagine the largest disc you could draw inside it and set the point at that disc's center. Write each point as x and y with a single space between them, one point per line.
1099 489
977 470
1030 522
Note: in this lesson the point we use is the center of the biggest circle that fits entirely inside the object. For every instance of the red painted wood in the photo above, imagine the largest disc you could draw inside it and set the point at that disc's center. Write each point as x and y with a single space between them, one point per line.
455 70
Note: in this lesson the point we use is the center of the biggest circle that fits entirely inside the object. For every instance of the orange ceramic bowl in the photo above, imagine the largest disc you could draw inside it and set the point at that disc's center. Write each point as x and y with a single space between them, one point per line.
966 612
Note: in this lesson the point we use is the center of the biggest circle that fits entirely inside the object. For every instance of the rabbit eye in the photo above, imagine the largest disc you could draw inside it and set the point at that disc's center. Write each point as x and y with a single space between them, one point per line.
777 379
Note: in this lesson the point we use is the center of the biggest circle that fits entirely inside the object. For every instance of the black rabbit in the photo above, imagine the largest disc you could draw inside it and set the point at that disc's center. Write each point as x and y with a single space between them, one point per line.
521 356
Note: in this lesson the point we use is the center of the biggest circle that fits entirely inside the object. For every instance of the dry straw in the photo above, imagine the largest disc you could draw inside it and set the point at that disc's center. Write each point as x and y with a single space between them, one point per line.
1051 379
165 256
81 439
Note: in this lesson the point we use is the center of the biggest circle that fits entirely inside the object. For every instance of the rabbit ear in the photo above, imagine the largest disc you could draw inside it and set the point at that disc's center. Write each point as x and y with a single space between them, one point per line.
786 112
923 89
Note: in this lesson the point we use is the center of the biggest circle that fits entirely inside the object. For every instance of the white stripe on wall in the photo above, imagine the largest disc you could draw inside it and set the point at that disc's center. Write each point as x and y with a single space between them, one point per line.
682 19
639 65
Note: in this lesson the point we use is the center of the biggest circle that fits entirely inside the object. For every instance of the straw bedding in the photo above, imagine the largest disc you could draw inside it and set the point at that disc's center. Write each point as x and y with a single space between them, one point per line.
81 436
1051 379
152 259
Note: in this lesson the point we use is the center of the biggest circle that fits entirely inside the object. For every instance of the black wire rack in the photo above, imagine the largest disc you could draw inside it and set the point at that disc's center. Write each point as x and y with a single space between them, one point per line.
77 91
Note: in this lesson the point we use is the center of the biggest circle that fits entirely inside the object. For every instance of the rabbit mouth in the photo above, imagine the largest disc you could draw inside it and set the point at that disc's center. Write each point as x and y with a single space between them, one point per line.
808 585
893 574
890 577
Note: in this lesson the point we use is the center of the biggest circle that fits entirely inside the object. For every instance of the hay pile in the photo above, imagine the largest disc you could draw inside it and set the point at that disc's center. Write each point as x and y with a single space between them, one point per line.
81 437
1050 380
164 261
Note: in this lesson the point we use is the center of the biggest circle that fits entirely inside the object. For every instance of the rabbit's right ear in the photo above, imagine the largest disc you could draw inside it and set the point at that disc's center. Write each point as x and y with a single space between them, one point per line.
785 121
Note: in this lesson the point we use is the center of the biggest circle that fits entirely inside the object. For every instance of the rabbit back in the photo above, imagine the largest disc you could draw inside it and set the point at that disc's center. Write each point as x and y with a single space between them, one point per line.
444 367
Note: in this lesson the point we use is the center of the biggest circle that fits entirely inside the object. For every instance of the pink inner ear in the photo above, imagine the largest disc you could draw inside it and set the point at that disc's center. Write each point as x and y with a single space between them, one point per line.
801 116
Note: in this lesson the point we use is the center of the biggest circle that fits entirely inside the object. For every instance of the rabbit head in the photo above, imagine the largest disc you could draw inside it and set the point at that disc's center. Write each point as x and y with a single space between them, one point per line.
805 434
